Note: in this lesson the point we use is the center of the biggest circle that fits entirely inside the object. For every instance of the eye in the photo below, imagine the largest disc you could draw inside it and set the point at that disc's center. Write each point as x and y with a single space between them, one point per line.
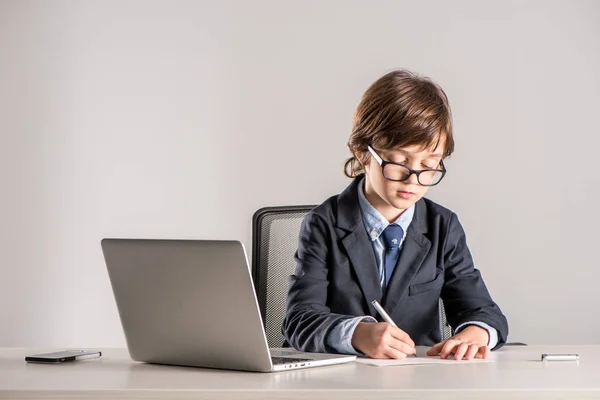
431 163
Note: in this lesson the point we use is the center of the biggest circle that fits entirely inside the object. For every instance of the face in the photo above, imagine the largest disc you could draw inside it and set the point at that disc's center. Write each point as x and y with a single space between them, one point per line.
392 198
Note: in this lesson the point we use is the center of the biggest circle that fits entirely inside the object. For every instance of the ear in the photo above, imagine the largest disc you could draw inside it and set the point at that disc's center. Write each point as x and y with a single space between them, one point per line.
362 158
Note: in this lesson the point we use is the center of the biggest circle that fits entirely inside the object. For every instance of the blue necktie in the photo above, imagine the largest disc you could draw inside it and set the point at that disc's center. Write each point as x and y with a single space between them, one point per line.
392 236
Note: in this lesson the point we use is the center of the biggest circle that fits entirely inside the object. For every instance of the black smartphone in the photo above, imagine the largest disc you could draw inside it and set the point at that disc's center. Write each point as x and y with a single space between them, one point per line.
63 356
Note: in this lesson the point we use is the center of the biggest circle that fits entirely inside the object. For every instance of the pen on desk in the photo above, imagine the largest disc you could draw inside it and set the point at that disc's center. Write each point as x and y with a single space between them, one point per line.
384 315
560 357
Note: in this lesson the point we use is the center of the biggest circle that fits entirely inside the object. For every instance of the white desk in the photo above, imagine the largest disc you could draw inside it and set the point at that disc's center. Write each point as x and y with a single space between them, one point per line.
517 373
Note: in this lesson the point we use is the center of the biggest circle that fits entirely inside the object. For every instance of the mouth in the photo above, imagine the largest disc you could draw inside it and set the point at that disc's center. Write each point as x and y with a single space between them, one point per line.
405 195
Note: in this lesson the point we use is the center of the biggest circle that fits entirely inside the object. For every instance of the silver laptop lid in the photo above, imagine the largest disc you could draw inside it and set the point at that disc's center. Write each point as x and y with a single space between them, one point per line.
187 302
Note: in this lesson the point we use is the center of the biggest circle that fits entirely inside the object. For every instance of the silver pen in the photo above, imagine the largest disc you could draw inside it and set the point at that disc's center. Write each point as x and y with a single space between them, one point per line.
384 315
560 357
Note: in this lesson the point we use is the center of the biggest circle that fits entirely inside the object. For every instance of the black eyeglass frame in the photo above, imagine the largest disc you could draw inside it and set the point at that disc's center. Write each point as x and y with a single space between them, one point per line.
417 172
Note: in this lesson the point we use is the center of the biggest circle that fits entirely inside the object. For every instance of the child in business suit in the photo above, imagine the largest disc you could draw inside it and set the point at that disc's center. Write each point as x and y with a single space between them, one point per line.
380 239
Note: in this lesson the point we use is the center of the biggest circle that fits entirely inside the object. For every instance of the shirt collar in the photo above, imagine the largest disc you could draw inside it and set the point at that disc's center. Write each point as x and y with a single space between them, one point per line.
374 222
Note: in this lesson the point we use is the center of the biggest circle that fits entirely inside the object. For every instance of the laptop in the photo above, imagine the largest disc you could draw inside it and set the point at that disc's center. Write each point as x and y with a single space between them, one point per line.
192 303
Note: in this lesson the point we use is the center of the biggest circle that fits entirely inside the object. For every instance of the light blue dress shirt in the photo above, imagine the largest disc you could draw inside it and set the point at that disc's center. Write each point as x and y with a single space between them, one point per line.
340 338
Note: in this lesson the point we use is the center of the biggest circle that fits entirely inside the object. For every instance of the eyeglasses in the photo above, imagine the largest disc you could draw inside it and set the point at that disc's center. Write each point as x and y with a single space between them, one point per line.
399 173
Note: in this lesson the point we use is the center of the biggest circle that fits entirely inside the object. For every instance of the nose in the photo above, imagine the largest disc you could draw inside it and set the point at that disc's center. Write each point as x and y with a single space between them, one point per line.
412 179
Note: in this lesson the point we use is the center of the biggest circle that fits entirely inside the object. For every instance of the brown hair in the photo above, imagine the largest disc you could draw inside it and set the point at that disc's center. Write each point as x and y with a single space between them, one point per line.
400 109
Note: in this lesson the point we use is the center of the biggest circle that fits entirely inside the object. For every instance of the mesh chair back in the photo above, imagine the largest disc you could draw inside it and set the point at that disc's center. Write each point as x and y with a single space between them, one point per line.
274 242
275 233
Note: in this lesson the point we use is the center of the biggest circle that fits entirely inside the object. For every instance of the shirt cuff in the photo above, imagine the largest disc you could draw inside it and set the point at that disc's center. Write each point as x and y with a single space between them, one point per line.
340 338
492 342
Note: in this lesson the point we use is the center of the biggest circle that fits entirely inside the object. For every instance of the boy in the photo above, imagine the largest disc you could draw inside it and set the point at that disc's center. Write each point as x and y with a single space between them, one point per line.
381 240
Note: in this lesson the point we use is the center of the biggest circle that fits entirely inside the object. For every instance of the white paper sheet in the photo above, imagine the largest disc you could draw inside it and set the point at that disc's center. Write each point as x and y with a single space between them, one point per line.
417 361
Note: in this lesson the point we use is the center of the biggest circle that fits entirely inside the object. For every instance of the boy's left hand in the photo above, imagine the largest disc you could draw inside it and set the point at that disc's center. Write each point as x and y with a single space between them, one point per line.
470 343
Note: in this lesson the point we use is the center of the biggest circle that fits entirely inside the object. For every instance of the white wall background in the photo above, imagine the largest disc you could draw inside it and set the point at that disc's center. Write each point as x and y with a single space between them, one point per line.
179 119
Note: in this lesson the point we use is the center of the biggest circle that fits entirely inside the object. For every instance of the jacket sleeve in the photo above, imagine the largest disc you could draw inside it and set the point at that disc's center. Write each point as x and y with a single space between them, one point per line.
308 319
464 294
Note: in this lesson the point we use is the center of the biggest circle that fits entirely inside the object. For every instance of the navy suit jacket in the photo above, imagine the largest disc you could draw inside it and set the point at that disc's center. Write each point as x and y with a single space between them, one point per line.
336 276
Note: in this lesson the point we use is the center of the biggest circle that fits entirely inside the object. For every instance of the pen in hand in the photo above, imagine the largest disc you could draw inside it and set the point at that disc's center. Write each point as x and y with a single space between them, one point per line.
384 315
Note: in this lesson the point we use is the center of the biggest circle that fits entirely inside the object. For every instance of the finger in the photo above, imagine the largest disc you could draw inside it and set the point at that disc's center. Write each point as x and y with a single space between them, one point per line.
401 346
435 349
460 351
487 352
470 354
483 352
448 348
378 354
393 353
399 334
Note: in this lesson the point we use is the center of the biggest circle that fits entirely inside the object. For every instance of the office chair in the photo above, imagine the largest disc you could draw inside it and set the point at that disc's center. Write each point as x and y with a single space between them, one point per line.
275 232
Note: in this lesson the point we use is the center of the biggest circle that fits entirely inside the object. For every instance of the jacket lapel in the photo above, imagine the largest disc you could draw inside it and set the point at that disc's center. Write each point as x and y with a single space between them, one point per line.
412 254
363 261
357 244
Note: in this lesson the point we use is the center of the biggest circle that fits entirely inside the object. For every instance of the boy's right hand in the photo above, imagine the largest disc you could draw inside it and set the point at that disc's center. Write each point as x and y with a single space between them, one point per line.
382 340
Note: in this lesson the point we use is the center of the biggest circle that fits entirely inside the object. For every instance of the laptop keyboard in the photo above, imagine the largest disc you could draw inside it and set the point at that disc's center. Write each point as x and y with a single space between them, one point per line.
288 360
